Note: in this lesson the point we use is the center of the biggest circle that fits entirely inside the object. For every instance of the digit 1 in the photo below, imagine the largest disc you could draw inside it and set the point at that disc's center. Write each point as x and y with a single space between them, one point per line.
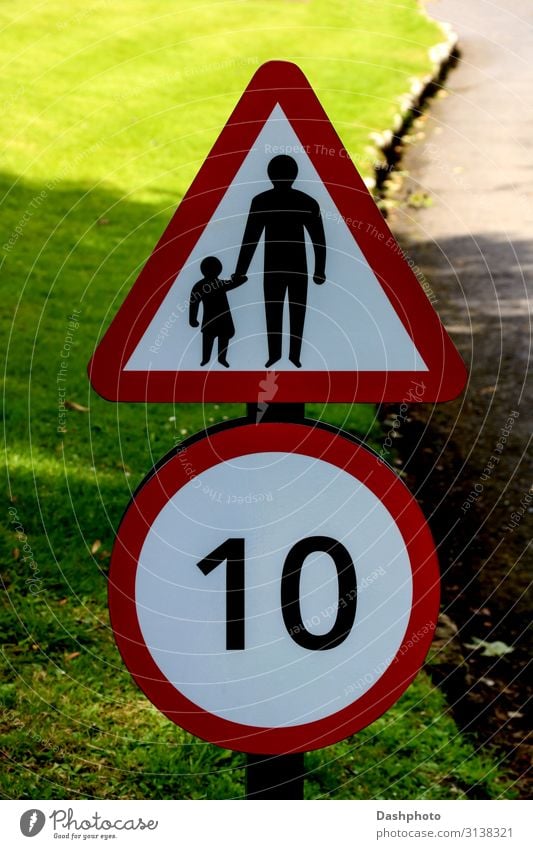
290 593
231 551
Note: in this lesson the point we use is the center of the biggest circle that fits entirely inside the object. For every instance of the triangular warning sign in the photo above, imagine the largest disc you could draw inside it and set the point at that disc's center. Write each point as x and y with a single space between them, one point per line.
277 275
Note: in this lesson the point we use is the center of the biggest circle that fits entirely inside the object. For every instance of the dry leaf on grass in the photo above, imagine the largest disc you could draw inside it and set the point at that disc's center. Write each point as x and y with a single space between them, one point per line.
73 405
495 649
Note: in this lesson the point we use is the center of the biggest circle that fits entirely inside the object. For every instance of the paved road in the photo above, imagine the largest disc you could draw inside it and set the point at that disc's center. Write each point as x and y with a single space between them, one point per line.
469 460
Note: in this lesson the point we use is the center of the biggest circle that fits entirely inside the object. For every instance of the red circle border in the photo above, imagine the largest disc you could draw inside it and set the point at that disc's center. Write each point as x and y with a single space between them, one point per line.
225 445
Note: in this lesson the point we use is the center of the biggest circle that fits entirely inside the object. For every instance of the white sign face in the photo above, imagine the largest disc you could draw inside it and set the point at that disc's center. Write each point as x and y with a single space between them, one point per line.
273 681
350 324
272 590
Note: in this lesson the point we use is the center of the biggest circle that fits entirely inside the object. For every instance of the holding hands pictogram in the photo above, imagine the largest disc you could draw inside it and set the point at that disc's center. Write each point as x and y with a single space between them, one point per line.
282 216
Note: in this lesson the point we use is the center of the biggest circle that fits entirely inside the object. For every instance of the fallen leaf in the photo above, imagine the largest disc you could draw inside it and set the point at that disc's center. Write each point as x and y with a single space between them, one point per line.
72 655
495 649
73 405
514 714
95 546
419 200
16 553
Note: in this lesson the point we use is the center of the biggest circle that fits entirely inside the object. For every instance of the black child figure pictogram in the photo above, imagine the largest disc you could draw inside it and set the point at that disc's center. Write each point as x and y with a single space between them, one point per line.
210 291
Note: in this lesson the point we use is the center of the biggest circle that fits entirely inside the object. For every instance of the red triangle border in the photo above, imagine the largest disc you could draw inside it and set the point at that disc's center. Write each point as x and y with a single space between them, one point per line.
284 83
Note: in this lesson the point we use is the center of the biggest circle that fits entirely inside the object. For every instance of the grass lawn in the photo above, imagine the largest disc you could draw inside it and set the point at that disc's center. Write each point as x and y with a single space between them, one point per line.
108 111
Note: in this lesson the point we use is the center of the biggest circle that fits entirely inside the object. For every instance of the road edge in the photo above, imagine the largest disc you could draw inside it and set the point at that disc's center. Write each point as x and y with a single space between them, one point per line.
389 143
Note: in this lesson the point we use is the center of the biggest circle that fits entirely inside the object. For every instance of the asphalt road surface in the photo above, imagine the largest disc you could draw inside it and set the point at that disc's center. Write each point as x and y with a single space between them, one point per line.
467 222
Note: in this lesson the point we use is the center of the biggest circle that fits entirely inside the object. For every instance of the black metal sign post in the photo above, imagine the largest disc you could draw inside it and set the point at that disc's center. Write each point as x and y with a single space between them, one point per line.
275 776
269 412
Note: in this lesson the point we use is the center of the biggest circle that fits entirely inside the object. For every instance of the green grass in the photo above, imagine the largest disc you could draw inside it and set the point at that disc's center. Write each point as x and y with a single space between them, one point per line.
108 111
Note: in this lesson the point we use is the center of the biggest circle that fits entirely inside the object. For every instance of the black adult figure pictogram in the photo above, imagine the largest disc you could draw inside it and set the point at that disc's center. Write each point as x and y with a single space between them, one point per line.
210 291
284 214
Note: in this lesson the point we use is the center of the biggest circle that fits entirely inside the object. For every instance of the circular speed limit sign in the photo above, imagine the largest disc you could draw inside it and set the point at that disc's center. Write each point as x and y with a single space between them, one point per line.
273 587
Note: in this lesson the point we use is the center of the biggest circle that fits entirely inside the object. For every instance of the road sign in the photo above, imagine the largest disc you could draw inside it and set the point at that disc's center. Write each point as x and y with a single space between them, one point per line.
273 587
277 262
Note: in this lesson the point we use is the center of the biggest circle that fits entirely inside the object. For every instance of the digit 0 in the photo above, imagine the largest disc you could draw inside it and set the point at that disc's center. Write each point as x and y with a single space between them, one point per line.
290 593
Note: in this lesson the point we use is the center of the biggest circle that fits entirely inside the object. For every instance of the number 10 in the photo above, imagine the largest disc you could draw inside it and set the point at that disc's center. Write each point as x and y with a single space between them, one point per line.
233 552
